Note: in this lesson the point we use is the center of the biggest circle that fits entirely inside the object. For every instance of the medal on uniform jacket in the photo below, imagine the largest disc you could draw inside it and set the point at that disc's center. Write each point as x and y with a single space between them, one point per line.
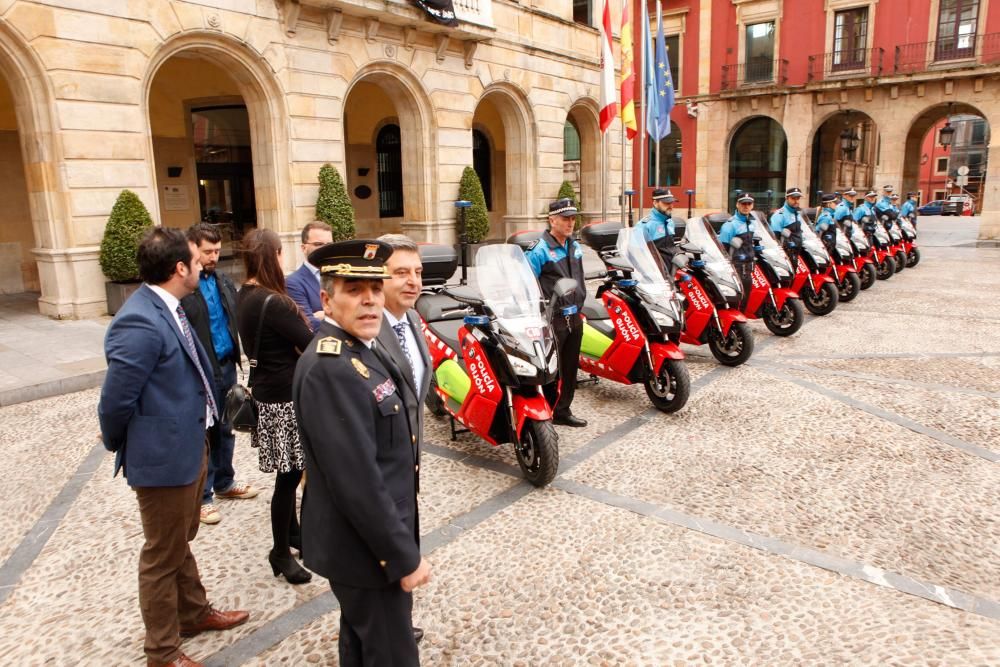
360 368
384 390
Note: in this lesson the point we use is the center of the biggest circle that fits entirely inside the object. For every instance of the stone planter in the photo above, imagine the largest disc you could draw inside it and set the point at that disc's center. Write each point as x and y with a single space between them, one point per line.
118 293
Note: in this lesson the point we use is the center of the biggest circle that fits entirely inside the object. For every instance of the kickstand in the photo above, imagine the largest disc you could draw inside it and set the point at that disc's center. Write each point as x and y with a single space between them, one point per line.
455 431
593 379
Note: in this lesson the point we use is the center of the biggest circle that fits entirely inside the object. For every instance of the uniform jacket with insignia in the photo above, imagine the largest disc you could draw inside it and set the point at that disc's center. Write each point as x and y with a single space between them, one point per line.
359 511
551 261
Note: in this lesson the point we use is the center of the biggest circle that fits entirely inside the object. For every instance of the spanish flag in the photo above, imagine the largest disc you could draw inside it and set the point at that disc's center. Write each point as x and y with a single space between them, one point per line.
628 73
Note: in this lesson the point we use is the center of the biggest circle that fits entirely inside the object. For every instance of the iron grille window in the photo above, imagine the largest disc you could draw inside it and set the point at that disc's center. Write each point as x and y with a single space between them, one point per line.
388 151
956 36
760 52
481 163
850 37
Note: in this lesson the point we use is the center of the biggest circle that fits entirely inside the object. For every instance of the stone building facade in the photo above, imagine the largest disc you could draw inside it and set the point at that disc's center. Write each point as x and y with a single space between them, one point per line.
226 109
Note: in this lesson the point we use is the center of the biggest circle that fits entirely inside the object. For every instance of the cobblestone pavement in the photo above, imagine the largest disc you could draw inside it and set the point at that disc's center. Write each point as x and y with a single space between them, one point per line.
833 501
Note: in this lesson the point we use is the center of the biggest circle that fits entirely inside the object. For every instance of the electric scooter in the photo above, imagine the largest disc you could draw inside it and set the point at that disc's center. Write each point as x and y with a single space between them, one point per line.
909 241
492 350
813 279
863 262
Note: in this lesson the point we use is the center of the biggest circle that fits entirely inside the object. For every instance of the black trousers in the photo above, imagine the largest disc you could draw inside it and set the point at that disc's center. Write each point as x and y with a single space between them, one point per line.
376 627
568 339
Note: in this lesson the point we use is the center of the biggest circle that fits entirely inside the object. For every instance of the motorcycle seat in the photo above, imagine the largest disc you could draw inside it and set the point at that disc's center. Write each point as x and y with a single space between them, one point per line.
437 307
447 331
594 309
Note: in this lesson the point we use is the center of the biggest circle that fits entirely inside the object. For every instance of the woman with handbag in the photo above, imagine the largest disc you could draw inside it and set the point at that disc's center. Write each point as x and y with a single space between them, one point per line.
274 331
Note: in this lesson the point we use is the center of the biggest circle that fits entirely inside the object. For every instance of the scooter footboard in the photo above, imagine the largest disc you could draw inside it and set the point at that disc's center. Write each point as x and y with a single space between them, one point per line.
727 317
530 407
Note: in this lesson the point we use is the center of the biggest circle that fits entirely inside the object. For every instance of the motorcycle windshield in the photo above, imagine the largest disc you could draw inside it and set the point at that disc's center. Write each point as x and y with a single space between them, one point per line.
843 245
772 254
510 291
699 233
859 238
812 244
907 225
648 266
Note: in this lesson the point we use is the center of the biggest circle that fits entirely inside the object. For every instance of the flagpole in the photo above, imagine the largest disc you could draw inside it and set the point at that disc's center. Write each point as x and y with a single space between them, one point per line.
657 164
641 120
604 176
623 188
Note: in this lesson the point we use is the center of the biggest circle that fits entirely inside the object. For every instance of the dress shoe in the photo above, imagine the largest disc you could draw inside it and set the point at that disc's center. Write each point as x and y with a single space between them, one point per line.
216 620
289 567
418 634
180 661
569 420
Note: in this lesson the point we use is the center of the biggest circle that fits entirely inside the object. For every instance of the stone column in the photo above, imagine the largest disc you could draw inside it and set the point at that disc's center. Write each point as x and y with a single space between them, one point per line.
989 227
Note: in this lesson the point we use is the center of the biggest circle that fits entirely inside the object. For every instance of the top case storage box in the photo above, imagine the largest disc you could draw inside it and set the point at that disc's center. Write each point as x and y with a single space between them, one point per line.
601 235
440 262
524 239
717 220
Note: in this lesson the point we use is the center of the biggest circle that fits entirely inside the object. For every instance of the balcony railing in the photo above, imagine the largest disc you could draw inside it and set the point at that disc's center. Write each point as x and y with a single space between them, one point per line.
960 51
846 64
755 72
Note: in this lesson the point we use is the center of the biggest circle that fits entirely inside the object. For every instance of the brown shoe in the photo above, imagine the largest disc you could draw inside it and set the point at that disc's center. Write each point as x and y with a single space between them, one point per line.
180 661
216 620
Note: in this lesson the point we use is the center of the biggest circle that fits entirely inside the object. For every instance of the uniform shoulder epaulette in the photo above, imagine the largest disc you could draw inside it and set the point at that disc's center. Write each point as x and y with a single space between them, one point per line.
328 345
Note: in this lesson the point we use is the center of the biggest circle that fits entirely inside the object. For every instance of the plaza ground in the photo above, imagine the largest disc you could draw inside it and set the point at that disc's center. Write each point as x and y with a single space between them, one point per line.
832 501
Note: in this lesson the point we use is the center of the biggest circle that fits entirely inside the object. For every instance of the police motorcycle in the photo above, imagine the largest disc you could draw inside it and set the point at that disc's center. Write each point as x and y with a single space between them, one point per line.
842 255
492 350
909 240
863 262
896 240
631 333
814 272
713 292
879 241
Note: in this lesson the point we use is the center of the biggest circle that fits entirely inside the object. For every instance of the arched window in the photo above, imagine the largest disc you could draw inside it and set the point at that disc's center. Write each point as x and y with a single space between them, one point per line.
388 151
670 159
482 164
757 157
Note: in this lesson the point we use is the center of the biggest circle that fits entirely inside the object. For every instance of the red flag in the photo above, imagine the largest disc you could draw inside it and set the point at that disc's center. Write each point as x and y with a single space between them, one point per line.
609 101
628 73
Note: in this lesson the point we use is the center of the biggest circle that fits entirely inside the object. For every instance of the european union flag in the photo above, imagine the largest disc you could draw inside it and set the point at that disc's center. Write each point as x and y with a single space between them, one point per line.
660 126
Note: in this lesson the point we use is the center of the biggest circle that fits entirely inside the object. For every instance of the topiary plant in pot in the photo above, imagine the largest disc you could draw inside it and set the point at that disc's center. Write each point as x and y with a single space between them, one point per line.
477 219
128 223
333 206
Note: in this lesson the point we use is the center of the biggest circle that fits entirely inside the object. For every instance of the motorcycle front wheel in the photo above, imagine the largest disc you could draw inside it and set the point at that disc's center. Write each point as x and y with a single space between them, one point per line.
734 348
850 288
900 258
537 451
913 258
669 389
868 276
886 268
787 321
824 301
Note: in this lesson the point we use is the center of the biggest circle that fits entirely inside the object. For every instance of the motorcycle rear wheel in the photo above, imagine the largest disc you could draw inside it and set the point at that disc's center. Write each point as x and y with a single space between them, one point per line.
787 321
824 302
851 287
868 276
886 268
668 390
433 400
538 451
913 258
735 348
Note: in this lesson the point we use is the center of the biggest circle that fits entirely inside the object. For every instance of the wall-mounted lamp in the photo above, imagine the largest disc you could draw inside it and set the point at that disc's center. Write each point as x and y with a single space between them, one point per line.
363 171
174 172
947 133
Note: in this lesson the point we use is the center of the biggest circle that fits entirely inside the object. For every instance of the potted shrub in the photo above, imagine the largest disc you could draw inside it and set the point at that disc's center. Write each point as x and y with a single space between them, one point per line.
333 206
128 223
566 191
477 219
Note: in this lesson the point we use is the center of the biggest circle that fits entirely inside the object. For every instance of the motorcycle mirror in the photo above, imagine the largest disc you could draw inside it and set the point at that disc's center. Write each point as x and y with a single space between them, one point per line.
680 260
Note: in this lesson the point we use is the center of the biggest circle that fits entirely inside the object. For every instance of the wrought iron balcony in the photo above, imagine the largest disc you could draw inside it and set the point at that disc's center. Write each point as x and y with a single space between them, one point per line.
755 72
963 51
846 64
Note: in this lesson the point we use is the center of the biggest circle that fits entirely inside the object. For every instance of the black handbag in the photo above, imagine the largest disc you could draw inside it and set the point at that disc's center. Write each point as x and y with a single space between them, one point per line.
241 408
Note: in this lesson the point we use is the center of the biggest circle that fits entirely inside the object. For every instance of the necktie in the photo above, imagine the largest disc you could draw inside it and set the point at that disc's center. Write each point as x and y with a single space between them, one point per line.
186 330
400 329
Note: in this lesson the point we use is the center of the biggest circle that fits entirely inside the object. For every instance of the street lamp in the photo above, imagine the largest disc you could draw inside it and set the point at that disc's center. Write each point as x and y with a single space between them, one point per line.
463 237
947 133
690 194
849 141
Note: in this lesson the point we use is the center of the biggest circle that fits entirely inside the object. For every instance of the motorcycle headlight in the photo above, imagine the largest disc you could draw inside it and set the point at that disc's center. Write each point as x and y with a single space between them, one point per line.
522 367
661 319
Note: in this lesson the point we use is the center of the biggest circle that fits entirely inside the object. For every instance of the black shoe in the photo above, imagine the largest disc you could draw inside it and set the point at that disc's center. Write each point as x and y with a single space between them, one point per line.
418 634
295 542
289 567
569 420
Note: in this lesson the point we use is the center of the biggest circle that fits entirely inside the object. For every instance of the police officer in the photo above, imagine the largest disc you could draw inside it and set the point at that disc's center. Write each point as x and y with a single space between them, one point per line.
359 513
885 207
556 254
658 226
845 208
826 226
909 208
736 236
865 212
787 222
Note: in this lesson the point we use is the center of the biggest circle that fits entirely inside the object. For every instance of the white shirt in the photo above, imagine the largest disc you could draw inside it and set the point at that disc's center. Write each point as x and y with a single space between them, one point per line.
416 360
172 302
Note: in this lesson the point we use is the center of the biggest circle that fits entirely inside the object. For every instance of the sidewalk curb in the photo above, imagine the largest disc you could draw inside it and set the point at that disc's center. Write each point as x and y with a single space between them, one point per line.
66 385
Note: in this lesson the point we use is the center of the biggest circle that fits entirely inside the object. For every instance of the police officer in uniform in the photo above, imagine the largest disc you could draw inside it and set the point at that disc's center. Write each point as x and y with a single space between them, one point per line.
658 226
845 208
909 208
787 222
885 208
736 236
826 226
359 513
865 212
556 254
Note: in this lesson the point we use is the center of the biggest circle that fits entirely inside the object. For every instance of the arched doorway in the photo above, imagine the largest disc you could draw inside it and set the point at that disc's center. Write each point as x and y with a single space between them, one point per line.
844 153
18 270
670 153
388 153
502 117
482 163
582 119
936 171
758 154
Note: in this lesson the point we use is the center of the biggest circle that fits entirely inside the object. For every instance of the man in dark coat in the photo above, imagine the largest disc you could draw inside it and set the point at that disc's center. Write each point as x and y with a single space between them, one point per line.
359 511
211 310
303 284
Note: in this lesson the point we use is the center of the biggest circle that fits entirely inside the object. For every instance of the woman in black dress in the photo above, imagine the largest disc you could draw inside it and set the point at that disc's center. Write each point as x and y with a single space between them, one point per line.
284 335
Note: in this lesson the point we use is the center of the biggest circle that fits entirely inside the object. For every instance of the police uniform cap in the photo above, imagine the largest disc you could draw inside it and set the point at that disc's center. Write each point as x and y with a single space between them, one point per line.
564 207
744 198
793 192
894 197
851 192
827 198
887 188
357 258
871 193
664 195
911 194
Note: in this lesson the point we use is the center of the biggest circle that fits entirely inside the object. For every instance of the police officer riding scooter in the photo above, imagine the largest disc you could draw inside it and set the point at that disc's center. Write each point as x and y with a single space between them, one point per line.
826 226
736 236
658 226
787 223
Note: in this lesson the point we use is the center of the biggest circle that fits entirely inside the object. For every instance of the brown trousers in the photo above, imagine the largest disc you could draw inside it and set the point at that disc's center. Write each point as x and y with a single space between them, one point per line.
170 590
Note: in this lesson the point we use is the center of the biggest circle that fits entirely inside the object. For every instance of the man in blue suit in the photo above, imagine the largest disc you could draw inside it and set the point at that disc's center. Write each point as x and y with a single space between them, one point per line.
156 404
303 284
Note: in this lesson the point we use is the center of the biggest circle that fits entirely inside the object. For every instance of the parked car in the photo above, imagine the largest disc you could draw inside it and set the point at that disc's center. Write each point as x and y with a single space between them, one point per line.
957 205
931 207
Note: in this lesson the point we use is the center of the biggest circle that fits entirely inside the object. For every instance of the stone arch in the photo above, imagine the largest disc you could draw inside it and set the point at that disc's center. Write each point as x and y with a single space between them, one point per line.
923 121
41 156
414 115
584 115
832 169
756 175
265 102
518 122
